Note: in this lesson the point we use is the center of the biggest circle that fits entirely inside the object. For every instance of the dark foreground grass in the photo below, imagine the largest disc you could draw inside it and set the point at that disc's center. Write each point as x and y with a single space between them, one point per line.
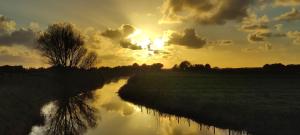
262 103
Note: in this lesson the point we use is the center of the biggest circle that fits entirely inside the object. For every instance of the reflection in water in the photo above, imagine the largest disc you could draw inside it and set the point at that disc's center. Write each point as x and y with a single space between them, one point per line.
118 117
68 115
71 115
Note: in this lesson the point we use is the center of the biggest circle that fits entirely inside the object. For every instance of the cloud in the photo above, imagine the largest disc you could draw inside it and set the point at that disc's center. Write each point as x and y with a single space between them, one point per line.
94 39
188 38
204 11
26 37
253 23
127 44
261 36
295 36
120 33
278 27
9 35
120 36
292 15
221 42
16 44
20 55
258 28
6 25
287 2
255 37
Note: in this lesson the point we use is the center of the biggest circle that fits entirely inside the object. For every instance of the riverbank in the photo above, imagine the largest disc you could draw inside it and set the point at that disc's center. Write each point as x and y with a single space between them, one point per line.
258 103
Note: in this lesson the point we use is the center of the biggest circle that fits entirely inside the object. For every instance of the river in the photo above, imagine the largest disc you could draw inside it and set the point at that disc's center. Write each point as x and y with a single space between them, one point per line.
108 114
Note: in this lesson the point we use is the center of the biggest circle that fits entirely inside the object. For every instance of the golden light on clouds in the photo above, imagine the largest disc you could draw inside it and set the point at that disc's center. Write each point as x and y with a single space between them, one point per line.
230 33
158 44
147 42
139 38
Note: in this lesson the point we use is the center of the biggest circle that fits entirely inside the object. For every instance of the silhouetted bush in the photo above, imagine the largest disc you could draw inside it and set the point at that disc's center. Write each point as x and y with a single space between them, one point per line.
274 67
185 65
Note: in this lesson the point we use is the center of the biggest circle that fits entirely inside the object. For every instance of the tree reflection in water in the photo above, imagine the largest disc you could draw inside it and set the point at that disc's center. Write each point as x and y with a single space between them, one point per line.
71 115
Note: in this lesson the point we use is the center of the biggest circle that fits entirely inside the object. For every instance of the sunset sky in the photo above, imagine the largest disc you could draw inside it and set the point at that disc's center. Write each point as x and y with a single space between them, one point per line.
224 33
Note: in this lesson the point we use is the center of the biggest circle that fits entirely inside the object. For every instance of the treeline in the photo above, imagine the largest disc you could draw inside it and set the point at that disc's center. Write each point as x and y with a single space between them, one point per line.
186 66
124 69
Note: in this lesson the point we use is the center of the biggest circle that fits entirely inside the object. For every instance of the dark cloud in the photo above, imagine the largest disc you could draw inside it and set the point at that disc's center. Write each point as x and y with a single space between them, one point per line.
255 37
205 11
221 42
120 33
120 36
9 35
226 42
129 45
292 15
262 36
188 38
113 34
254 27
258 28
254 23
26 37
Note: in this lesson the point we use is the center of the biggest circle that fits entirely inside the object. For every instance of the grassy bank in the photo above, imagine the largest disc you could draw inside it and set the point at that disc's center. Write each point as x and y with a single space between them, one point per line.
258 103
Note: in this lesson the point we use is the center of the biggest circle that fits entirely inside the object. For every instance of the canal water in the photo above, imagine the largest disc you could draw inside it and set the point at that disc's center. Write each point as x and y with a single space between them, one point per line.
108 114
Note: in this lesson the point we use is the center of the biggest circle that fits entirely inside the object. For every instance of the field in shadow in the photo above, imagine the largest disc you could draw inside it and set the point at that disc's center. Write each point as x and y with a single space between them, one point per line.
257 102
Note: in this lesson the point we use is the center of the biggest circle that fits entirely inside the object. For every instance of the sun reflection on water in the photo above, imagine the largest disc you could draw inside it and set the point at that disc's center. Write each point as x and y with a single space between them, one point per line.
124 118
117 117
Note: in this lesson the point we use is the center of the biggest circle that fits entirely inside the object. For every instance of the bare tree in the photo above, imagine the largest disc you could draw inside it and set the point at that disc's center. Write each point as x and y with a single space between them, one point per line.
89 60
63 46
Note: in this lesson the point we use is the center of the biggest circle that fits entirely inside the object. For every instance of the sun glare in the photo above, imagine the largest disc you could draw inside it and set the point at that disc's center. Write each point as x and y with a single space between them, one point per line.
158 44
140 38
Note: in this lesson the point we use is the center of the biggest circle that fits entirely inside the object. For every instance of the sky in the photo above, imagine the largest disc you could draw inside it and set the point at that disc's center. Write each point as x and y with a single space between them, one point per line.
223 33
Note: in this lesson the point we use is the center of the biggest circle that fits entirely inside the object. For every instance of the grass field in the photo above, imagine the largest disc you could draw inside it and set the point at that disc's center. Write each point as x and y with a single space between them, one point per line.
258 103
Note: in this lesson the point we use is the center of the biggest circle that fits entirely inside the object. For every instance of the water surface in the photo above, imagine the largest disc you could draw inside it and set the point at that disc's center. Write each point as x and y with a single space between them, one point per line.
114 116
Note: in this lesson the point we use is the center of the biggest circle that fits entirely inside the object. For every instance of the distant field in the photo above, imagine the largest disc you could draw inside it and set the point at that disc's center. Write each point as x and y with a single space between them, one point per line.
259 103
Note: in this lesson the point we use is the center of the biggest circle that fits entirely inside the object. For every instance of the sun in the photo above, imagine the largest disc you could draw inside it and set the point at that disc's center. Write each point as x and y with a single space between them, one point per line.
146 42
158 44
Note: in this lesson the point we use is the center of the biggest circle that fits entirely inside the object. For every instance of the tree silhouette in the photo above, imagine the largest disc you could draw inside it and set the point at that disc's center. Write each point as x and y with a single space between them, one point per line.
63 46
184 65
